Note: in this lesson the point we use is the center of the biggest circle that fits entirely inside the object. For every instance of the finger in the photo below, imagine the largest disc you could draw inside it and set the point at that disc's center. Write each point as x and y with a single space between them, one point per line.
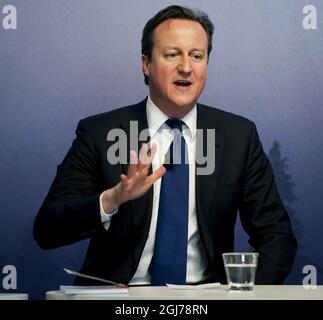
133 166
143 156
123 177
133 157
157 174
147 155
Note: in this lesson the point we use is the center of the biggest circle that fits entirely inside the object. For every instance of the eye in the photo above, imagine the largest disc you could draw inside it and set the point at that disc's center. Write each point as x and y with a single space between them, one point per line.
197 56
171 55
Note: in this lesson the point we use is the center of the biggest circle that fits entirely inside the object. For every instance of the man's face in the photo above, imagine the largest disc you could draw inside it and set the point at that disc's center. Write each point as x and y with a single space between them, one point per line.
177 70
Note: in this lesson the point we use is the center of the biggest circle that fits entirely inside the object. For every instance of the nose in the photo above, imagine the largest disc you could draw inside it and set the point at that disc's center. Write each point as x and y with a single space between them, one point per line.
184 65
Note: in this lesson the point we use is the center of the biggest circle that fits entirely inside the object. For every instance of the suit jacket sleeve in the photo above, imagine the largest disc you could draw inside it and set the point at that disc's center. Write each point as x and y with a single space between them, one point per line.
264 217
71 211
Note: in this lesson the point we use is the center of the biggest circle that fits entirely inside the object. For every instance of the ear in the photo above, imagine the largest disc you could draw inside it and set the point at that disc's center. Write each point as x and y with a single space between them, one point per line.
145 64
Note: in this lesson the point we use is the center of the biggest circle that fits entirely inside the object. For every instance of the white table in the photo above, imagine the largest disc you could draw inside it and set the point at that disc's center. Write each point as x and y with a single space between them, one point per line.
13 296
163 293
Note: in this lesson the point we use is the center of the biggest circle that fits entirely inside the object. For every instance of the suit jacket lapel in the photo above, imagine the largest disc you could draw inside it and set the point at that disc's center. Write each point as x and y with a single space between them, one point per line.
142 207
206 184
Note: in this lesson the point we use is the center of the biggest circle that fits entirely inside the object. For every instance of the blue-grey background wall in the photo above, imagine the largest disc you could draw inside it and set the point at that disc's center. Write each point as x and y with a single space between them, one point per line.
73 58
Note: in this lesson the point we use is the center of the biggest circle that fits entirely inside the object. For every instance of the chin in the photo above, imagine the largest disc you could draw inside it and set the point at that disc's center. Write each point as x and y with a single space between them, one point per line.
179 110
185 99
186 104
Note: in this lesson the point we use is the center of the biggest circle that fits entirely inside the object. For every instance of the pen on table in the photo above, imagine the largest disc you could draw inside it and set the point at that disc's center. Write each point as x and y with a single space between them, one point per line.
74 273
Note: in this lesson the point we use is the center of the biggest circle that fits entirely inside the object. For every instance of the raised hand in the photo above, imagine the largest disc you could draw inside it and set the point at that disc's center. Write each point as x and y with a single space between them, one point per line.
137 181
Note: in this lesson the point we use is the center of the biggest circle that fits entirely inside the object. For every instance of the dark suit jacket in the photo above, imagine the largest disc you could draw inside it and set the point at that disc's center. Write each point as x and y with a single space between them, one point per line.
242 181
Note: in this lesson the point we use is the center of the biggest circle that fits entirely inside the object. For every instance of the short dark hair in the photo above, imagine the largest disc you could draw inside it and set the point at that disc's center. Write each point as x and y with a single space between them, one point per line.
173 12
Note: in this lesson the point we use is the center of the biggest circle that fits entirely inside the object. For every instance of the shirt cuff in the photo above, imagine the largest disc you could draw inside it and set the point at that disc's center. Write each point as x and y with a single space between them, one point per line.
106 216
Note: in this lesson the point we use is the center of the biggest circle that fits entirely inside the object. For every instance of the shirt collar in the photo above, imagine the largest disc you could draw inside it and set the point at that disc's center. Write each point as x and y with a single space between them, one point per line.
156 118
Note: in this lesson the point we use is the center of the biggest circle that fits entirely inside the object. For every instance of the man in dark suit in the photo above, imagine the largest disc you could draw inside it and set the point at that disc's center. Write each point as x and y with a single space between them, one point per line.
117 203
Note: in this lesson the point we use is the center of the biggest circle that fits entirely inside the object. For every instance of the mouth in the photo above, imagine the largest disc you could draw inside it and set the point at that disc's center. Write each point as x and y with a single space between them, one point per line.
182 83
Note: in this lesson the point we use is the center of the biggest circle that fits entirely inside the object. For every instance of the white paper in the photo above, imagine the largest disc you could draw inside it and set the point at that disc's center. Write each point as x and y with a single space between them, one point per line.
92 289
215 285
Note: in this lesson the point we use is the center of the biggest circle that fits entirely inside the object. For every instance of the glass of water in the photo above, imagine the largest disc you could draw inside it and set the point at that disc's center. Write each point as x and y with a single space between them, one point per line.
240 269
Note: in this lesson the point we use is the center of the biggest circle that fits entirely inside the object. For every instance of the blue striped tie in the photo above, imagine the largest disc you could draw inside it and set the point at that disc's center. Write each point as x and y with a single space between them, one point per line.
168 264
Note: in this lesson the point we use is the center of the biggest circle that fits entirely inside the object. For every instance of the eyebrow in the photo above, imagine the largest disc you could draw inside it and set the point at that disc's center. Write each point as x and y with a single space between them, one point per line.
179 49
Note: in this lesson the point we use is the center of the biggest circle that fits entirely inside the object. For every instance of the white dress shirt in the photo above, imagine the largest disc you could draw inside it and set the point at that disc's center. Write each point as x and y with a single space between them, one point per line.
162 135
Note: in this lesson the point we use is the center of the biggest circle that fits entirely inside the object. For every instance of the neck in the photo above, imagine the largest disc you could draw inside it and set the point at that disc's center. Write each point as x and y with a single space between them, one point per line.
174 111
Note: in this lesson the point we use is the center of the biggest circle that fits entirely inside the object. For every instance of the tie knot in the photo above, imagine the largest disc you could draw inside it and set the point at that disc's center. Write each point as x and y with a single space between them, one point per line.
175 124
